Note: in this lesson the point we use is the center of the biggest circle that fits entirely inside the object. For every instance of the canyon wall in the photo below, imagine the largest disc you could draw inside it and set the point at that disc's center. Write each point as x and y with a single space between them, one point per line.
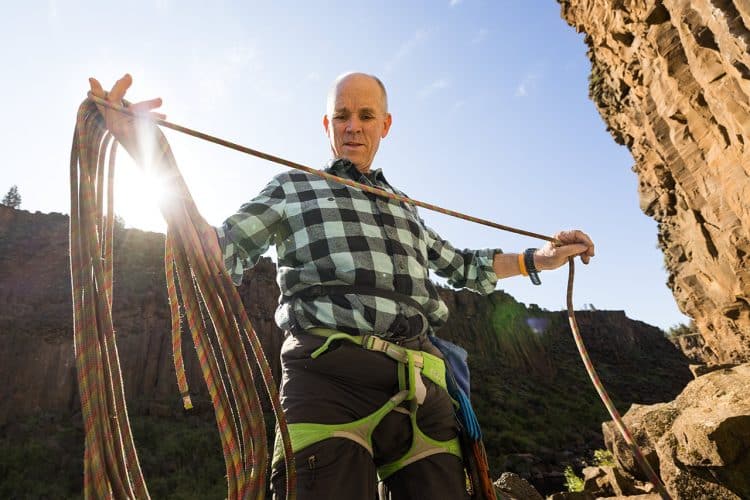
671 79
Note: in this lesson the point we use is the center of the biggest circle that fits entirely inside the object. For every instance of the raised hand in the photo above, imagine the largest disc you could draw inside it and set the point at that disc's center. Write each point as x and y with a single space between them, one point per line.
125 127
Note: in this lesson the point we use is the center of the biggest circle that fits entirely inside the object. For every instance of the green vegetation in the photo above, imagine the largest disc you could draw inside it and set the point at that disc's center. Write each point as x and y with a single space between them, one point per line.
12 198
682 329
180 457
603 458
572 481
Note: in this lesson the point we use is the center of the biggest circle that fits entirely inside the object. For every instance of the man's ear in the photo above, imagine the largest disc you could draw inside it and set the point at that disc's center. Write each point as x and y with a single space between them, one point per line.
326 122
386 125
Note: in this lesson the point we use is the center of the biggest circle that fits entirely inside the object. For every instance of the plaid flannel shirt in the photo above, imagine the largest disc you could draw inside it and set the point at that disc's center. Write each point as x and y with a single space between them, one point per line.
327 233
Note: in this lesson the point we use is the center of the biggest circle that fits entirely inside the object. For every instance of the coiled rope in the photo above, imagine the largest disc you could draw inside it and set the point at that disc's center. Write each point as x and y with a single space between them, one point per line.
111 468
601 391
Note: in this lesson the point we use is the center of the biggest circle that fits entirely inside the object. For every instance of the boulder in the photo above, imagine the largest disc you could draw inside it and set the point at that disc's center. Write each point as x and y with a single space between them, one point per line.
646 423
701 440
512 486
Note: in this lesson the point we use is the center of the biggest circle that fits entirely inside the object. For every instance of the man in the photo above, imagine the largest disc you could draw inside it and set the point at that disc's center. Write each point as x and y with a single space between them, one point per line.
353 266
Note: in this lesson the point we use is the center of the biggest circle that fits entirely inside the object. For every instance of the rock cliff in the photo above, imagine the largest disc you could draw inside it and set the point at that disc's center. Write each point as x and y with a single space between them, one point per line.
671 79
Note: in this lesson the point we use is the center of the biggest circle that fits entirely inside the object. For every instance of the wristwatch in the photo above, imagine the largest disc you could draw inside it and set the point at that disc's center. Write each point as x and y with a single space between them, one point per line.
528 260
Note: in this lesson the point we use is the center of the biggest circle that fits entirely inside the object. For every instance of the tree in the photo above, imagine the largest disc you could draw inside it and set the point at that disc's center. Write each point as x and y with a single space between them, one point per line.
12 199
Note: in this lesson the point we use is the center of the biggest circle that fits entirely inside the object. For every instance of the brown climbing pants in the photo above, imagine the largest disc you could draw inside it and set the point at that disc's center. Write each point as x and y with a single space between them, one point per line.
347 383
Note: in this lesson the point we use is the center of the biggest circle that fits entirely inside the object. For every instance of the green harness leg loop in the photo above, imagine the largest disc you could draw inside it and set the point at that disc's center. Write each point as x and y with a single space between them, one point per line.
412 365
360 431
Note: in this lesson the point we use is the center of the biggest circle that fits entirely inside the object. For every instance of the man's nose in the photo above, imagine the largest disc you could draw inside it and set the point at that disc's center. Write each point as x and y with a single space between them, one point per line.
353 125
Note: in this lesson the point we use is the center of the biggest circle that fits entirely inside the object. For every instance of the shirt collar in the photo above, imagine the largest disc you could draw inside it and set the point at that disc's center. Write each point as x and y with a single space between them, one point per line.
345 168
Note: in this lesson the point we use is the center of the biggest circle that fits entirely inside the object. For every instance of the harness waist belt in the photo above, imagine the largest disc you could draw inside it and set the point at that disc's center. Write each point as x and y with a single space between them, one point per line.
431 366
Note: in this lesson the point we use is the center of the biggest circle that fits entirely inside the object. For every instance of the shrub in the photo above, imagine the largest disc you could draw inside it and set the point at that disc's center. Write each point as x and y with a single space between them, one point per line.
603 458
572 481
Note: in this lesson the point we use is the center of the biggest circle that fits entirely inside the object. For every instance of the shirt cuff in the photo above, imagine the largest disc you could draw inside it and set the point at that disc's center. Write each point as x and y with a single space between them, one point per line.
486 275
232 263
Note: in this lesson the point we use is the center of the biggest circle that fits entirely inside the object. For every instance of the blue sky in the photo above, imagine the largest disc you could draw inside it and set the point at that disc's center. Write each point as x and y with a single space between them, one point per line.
489 101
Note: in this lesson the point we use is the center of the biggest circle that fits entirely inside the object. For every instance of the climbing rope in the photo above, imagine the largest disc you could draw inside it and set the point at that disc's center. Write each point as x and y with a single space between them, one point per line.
616 417
111 468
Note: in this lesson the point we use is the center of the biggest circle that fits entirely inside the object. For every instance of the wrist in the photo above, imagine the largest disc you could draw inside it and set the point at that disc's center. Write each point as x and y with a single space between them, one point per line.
522 265
529 260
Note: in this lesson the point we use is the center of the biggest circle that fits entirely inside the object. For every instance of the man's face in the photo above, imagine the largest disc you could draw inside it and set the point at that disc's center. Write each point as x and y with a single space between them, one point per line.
356 120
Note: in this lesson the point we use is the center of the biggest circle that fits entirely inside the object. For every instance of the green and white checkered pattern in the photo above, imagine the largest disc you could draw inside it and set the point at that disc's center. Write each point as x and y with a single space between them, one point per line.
328 233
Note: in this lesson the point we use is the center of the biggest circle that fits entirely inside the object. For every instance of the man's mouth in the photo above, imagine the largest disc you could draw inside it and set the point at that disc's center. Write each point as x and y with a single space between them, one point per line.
353 144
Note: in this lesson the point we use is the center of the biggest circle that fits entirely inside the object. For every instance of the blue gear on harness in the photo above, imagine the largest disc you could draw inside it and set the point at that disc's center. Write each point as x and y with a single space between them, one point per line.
458 384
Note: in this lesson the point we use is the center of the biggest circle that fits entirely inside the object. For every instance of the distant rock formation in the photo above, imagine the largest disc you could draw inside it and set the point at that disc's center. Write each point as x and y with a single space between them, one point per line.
671 79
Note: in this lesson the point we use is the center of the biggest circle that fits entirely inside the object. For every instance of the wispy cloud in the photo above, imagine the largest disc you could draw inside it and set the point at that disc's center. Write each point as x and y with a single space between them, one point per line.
405 49
433 87
527 85
455 2
480 35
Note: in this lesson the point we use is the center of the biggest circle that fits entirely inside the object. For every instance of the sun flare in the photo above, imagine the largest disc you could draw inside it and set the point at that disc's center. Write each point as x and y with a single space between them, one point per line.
137 196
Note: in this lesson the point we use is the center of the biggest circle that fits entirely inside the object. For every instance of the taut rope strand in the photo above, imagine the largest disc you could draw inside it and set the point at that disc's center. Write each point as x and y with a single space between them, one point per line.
619 423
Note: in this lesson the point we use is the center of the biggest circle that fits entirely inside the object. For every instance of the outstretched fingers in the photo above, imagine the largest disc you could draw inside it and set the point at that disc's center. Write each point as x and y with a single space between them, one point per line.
119 89
145 108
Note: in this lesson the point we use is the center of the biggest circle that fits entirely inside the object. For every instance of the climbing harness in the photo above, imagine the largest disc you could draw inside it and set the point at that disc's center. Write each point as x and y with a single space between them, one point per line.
645 466
111 467
412 365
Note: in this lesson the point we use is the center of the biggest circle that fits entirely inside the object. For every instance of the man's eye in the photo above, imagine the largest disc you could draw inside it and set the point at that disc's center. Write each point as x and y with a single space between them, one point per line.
367 117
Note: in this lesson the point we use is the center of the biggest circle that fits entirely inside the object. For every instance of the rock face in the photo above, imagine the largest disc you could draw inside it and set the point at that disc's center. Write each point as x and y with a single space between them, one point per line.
700 442
671 78
37 368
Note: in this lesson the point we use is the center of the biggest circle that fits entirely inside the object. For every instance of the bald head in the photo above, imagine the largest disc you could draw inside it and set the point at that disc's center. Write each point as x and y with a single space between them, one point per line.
341 79
357 118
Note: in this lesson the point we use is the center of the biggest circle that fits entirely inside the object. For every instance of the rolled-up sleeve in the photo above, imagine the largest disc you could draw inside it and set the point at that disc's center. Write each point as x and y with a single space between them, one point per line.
246 235
463 268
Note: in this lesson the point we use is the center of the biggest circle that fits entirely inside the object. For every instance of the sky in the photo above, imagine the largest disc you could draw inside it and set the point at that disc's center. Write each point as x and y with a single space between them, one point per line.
490 106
